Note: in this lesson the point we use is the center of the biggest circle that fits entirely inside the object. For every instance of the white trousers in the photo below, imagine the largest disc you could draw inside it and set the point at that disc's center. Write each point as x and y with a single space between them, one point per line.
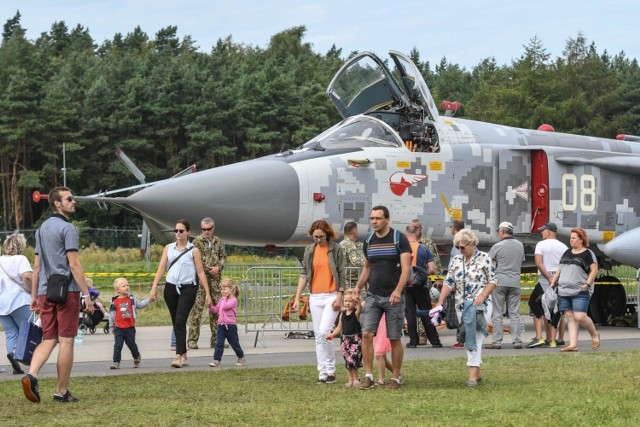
324 317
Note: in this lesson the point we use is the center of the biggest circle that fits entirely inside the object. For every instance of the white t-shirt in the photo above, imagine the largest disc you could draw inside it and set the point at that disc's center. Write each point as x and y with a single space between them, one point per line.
551 251
12 296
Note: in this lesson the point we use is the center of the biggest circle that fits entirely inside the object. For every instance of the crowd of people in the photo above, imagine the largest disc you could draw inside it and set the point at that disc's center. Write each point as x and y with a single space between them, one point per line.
367 311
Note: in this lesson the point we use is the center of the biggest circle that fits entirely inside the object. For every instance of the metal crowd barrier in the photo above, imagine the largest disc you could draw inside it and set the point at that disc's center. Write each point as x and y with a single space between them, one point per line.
266 292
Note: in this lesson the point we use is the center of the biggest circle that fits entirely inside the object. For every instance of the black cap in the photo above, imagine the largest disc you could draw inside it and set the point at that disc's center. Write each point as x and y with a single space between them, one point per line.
548 226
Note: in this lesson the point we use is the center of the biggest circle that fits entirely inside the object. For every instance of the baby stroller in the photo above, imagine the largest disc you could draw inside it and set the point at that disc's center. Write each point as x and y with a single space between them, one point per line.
91 321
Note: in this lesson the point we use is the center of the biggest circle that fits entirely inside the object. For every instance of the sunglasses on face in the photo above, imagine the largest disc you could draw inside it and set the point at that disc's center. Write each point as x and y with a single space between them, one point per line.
179 231
207 229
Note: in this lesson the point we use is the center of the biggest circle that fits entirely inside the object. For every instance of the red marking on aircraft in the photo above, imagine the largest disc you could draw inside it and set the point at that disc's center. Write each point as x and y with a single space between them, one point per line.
400 181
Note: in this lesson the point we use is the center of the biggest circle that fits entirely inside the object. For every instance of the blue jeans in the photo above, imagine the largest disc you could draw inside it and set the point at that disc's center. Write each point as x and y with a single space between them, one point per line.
125 336
230 333
579 302
11 325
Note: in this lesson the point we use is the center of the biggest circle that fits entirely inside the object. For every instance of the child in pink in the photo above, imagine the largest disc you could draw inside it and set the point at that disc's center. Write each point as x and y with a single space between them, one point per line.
382 345
226 309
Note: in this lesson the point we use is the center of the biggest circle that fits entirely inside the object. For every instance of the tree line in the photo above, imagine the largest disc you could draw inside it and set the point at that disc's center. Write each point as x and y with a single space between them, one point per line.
169 105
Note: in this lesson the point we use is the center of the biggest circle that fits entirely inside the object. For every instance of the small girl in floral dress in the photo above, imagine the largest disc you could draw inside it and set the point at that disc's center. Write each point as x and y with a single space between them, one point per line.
349 326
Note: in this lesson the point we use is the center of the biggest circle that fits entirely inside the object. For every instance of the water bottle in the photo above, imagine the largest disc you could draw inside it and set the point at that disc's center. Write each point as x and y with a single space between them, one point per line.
521 324
79 339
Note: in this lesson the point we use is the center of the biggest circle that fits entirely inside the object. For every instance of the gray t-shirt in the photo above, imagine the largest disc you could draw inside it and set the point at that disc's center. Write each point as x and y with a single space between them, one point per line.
574 272
55 237
508 256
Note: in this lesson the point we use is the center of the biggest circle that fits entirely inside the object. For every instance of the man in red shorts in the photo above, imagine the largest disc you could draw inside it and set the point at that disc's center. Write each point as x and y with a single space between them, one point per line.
57 253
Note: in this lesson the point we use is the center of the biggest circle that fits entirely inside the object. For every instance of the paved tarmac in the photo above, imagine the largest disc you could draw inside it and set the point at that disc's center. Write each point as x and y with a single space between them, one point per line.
94 356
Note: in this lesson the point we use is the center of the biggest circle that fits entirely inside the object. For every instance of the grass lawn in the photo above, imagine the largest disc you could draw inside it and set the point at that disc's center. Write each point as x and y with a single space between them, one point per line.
583 389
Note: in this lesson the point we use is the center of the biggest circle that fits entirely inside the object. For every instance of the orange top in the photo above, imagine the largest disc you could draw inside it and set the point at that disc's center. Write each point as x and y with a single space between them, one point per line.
322 280
414 251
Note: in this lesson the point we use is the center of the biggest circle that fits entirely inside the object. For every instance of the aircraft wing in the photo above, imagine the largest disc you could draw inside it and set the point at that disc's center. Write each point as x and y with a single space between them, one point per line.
624 163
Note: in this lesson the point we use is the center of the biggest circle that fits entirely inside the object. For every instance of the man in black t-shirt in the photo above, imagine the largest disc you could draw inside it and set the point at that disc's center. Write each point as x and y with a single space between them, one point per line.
386 270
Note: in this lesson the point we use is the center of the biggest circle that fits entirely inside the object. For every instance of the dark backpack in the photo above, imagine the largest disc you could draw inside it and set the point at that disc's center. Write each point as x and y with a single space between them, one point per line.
418 276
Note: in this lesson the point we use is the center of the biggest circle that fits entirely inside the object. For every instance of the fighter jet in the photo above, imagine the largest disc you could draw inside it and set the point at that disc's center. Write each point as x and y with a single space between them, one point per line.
393 148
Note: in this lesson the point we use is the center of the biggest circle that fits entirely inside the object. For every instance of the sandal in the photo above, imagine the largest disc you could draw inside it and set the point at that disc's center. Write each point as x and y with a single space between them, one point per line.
595 343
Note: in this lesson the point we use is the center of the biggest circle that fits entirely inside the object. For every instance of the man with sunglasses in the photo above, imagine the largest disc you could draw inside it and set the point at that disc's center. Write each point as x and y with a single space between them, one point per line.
57 253
213 260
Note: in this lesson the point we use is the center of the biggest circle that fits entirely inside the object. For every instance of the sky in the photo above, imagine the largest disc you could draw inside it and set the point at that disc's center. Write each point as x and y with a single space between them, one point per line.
463 31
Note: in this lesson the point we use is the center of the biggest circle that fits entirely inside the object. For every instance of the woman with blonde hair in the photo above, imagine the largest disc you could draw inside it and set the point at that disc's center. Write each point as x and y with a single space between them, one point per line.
472 277
575 277
15 292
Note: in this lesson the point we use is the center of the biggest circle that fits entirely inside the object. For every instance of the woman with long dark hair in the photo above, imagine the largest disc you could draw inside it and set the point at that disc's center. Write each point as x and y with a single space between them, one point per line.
182 262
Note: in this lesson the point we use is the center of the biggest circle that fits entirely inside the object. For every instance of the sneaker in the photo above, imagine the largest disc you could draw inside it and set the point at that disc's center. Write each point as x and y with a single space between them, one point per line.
172 348
322 380
17 370
436 345
517 345
537 342
393 384
241 362
553 344
30 388
560 343
411 345
331 379
366 384
458 345
176 362
115 365
192 345
472 383
136 362
493 346
214 364
66 398
184 361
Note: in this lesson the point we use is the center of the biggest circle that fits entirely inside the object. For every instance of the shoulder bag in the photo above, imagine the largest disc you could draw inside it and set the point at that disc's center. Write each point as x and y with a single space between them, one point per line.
57 284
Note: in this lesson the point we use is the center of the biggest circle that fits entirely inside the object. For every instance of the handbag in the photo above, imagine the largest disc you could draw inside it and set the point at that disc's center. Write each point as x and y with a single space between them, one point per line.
29 337
57 284
57 288
451 317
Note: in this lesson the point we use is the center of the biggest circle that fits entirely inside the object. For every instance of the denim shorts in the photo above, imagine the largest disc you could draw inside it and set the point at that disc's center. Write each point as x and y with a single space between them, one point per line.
579 302
374 306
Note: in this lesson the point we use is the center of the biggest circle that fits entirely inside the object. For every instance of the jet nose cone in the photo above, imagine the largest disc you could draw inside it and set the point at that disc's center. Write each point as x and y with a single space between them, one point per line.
625 248
254 202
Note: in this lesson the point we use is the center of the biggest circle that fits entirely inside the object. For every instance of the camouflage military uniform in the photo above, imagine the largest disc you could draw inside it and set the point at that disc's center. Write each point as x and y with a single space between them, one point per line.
354 256
424 240
213 255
